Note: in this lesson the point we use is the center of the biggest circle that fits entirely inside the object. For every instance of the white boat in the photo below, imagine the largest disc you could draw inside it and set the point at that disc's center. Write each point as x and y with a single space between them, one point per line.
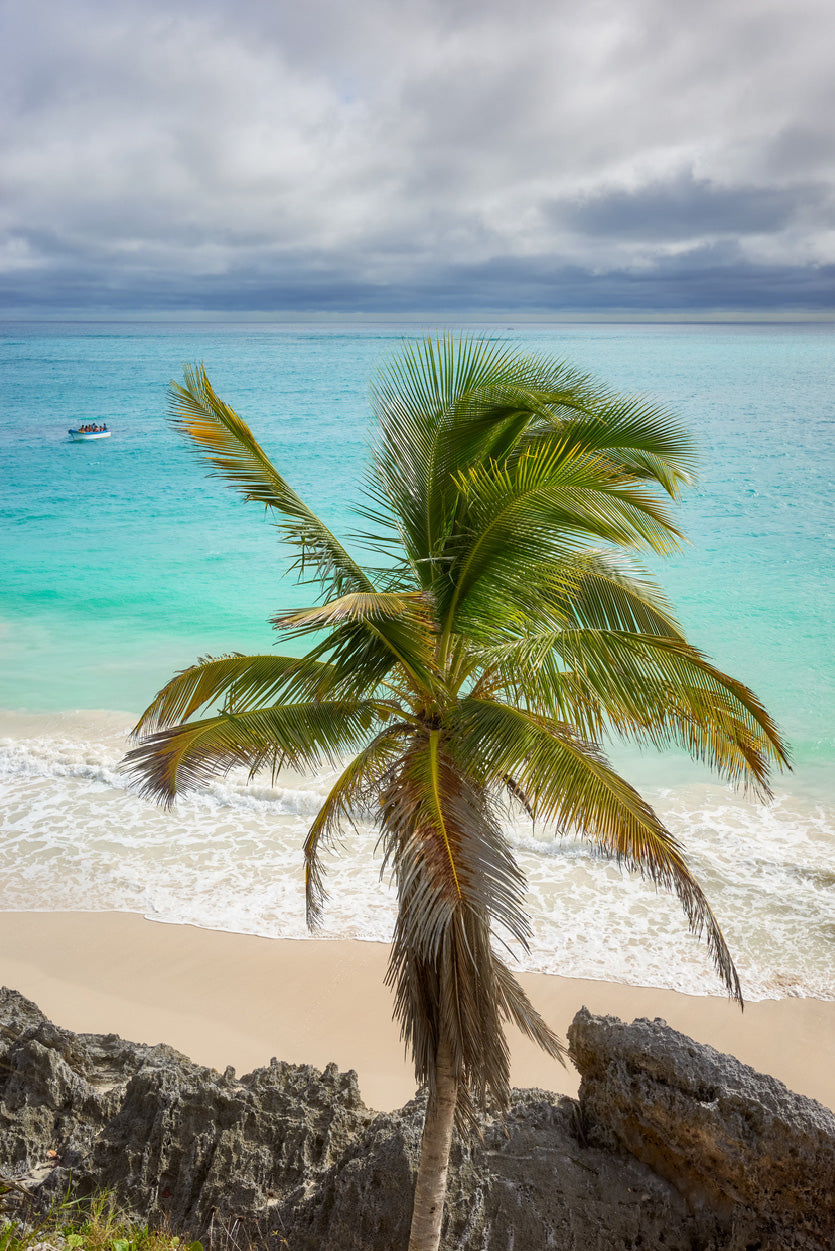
85 436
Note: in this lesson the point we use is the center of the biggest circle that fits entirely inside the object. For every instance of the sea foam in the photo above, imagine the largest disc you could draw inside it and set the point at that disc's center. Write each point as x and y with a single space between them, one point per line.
75 836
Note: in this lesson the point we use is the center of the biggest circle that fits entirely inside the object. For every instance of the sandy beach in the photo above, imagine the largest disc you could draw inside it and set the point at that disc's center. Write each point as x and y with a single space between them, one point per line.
236 999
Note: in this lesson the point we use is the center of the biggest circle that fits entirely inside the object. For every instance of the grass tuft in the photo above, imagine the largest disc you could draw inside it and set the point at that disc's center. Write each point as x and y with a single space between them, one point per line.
90 1224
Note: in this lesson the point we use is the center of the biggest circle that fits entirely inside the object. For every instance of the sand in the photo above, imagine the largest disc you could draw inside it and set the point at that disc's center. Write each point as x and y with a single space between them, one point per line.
236 999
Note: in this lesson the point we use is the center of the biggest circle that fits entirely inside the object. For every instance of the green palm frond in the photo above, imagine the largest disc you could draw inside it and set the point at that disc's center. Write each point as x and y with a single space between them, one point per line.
565 492
229 445
651 688
665 691
301 736
606 591
442 404
521 525
570 783
516 637
640 439
240 682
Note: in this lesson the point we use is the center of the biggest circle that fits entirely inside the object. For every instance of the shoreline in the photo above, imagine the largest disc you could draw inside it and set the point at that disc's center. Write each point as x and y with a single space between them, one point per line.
230 857
227 998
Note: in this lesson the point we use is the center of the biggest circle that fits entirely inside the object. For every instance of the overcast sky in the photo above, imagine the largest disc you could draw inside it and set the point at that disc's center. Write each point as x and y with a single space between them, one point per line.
384 156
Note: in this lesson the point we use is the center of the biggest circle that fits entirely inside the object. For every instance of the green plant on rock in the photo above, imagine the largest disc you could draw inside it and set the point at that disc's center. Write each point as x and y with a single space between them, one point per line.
506 631
91 1223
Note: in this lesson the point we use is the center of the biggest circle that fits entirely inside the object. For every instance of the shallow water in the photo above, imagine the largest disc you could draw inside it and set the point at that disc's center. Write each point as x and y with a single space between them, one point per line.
123 563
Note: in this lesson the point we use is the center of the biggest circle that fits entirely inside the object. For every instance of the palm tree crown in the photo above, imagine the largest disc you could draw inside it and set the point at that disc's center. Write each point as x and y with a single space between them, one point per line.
506 630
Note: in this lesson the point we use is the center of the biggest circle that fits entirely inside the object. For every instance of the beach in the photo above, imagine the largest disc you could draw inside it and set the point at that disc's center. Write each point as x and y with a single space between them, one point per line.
237 999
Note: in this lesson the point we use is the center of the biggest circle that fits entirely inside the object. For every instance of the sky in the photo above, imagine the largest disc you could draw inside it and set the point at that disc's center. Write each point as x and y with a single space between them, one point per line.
383 157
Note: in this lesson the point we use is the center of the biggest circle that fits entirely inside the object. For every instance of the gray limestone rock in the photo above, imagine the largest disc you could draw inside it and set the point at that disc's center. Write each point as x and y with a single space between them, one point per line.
59 1089
295 1157
734 1142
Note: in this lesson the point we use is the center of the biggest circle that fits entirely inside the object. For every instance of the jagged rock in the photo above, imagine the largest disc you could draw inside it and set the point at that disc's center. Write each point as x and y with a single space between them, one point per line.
303 1164
57 1087
733 1141
187 1143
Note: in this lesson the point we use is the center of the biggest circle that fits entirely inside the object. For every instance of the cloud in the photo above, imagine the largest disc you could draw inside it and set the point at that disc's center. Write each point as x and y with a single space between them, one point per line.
316 156
686 208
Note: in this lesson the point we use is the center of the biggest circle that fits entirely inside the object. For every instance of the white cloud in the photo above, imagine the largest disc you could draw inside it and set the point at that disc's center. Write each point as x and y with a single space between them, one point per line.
382 143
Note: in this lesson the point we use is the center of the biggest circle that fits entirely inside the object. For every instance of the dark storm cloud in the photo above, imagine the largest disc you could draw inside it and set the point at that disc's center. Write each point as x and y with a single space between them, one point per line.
629 153
687 208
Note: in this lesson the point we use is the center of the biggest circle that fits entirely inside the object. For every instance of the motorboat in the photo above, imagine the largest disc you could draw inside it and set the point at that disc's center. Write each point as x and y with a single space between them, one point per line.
86 434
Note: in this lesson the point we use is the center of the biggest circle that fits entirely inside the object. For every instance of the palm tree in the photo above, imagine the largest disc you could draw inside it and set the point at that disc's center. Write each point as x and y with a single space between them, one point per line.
506 631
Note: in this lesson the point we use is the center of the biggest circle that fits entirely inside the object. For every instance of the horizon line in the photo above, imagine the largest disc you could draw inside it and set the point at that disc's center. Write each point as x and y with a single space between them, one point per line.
287 316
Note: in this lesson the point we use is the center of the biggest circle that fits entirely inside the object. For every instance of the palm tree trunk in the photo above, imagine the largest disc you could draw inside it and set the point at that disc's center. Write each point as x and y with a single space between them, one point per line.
430 1187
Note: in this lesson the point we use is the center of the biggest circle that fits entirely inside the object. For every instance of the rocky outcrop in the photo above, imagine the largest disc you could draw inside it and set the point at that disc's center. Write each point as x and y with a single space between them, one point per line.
734 1142
295 1157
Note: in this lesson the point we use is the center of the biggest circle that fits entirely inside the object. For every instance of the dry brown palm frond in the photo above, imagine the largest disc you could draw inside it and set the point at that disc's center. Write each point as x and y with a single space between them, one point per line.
456 877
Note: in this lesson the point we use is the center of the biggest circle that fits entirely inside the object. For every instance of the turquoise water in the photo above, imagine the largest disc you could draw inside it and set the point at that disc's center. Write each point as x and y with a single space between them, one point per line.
122 562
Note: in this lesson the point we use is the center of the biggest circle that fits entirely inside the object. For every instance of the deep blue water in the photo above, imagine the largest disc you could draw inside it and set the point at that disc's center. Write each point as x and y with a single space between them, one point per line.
121 561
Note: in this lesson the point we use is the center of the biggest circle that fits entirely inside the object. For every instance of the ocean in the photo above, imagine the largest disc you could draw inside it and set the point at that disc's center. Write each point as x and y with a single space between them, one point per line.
122 562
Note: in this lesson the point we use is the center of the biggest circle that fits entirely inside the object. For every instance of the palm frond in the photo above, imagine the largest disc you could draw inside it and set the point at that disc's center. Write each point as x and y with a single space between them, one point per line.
570 783
304 735
516 1007
357 606
357 784
517 526
445 405
413 399
362 655
650 688
228 444
641 439
664 691
456 877
240 682
402 623
605 590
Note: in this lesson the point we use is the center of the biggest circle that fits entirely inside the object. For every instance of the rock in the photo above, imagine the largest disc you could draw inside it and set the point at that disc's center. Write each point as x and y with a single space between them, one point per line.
733 1142
57 1088
295 1157
295 1154
187 1144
